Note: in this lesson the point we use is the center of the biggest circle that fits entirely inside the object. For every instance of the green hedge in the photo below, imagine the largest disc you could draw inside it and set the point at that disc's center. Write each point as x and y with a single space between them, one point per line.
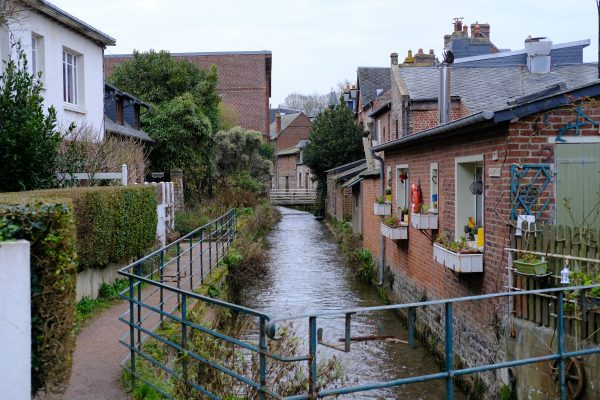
113 223
51 231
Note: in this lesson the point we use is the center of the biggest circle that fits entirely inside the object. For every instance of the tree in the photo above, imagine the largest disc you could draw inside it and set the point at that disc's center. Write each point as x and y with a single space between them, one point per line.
335 139
156 77
28 137
183 140
305 103
241 155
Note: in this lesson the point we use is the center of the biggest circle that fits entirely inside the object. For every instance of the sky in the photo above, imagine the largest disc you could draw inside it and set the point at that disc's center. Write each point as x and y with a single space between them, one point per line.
318 43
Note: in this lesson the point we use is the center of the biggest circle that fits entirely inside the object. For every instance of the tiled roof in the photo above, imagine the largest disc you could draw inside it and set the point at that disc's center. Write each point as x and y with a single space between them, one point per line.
490 88
125 130
283 111
370 79
286 120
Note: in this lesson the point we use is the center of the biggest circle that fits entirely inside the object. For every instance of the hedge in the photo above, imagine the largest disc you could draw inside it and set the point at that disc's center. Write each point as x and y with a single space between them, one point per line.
113 224
51 231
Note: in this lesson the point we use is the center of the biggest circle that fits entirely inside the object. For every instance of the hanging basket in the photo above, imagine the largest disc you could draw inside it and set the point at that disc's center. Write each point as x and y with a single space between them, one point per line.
476 187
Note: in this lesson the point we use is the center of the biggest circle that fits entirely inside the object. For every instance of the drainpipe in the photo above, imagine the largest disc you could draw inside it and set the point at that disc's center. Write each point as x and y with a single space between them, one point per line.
381 179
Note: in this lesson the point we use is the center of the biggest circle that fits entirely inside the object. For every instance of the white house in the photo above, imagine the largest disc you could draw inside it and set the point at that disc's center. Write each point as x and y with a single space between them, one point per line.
69 54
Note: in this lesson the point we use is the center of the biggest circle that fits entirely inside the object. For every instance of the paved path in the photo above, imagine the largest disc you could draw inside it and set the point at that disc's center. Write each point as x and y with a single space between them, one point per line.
96 361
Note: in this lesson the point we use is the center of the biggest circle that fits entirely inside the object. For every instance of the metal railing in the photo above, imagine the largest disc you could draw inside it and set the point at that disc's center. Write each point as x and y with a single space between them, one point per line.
221 231
293 196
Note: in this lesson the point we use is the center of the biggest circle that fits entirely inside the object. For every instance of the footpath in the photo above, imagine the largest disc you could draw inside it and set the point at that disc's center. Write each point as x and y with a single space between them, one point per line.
96 361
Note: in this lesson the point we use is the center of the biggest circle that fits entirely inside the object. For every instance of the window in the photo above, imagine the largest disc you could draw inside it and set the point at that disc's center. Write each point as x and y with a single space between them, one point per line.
402 188
433 186
397 134
70 71
34 56
119 105
469 193
384 137
300 180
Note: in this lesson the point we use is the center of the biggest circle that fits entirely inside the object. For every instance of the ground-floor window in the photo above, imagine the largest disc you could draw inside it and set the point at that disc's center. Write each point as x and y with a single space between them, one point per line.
402 188
469 196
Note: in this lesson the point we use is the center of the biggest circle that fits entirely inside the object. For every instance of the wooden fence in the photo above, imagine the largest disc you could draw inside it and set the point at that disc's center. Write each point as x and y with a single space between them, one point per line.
582 316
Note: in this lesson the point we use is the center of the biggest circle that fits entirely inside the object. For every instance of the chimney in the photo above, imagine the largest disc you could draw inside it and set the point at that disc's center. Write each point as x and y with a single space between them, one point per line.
444 88
394 57
458 24
447 40
277 124
538 54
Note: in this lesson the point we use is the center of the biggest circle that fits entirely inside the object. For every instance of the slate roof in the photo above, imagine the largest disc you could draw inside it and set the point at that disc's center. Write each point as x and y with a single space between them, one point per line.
283 111
125 130
52 11
369 80
490 88
286 120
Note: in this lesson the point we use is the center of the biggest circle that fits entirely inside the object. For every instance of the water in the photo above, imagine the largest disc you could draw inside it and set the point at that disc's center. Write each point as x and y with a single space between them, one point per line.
306 273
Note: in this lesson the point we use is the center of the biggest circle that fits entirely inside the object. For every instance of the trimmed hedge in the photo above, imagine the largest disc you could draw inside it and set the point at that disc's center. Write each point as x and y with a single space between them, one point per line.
50 229
113 224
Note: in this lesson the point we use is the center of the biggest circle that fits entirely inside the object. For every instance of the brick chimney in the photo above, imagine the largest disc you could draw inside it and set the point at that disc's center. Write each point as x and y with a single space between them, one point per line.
394 58
277 124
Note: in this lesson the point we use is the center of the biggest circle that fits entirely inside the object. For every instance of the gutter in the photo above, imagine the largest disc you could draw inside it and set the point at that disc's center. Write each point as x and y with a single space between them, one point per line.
482 116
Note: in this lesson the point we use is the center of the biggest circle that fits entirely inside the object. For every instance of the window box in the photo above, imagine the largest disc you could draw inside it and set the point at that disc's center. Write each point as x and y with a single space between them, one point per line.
424 221
536 267
382 209
395 233
458 262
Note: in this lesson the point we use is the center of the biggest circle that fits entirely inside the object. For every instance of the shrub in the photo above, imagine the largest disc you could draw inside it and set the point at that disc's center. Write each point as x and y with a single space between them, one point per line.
51 231
113 223
188 220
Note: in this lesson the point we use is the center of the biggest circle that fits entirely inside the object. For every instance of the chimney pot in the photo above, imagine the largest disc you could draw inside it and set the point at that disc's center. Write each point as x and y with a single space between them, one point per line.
420 51
278 123
431 52
394 58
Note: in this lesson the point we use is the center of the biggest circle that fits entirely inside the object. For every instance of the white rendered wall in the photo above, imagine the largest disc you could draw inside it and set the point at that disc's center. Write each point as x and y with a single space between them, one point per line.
90 108
15 321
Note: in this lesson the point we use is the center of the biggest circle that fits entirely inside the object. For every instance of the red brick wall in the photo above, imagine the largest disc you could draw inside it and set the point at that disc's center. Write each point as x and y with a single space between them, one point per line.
416 275
343 203
298 130
286 166
243 83
422 120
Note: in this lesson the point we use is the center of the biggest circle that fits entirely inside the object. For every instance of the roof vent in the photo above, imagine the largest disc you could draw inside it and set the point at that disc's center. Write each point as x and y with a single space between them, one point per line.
538 54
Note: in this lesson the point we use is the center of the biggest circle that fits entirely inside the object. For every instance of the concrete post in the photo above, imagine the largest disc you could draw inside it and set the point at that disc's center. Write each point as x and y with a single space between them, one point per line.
124 174
15 321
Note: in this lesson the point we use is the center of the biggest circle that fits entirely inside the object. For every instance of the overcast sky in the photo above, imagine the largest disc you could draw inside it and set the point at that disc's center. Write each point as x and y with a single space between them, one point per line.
317 43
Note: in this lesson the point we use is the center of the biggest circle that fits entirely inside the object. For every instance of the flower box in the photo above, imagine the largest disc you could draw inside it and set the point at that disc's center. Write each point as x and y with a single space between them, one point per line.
532 268
458 262
424 221
395 233
382 209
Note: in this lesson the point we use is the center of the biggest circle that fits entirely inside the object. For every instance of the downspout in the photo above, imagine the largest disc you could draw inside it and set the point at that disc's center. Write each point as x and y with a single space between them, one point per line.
381 179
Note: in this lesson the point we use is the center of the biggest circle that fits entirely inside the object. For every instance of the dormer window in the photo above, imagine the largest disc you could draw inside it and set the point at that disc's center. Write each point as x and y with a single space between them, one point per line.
119 104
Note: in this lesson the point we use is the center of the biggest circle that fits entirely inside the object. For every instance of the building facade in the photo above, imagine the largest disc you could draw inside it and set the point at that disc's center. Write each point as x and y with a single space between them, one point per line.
68 54
244 82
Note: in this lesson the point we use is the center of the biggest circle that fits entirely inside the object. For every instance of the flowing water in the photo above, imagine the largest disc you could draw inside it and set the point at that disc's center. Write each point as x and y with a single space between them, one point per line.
307 273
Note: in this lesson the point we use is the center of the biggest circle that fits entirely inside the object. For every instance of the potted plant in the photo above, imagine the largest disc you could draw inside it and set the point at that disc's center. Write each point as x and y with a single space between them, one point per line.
581 278
457 255
531 264
424 219
404 213
393 228
382 207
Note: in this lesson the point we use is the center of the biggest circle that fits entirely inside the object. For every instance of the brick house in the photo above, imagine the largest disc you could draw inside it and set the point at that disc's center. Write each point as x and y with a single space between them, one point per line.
244 81
344 197
289 135
502 115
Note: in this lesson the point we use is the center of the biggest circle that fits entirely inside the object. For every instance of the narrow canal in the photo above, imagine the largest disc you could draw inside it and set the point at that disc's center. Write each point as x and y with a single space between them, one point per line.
306 273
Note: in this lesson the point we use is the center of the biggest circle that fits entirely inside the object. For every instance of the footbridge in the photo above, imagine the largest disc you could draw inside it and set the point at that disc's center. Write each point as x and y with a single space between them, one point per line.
293 197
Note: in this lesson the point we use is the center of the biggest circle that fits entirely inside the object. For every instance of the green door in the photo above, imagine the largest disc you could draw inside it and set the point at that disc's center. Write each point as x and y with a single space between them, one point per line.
578 182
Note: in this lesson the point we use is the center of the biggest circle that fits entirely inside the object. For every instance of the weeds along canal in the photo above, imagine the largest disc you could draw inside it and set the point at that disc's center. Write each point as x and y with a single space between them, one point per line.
307 272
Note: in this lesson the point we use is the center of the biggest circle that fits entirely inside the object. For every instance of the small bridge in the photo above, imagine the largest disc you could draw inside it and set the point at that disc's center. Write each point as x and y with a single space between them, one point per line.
293 197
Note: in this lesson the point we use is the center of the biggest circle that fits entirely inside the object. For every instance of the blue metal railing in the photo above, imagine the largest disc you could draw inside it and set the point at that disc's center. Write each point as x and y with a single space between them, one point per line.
221 232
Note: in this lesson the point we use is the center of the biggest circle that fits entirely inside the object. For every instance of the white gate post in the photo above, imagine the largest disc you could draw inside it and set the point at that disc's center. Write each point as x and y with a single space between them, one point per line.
124 174
15 321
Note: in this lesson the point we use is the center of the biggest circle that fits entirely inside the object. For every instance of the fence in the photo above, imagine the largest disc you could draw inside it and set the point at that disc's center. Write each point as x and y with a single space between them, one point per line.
170 275
559 244
293 196
89 176
186 366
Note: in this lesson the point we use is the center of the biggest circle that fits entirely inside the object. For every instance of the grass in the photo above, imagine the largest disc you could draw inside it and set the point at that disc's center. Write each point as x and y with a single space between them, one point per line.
88 308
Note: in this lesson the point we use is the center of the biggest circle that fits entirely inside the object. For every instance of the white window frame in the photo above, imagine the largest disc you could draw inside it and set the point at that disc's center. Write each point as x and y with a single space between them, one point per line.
462 195
71 60
402 188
